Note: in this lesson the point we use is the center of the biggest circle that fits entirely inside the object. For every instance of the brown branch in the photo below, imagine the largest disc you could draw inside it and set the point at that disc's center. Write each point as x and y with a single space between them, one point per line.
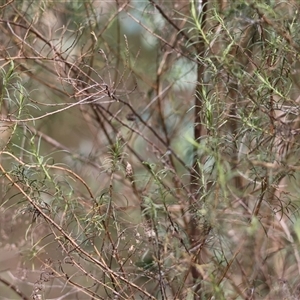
8 3
13 288
97 261
179 30
195 236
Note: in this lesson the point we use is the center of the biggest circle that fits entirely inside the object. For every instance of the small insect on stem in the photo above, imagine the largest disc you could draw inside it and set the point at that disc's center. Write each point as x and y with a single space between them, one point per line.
128 170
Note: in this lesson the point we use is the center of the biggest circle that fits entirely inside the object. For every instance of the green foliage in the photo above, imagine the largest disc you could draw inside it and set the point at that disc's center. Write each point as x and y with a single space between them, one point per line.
150 149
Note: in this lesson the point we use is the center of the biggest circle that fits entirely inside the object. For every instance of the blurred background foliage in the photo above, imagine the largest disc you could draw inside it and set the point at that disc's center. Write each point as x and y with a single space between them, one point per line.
149 149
